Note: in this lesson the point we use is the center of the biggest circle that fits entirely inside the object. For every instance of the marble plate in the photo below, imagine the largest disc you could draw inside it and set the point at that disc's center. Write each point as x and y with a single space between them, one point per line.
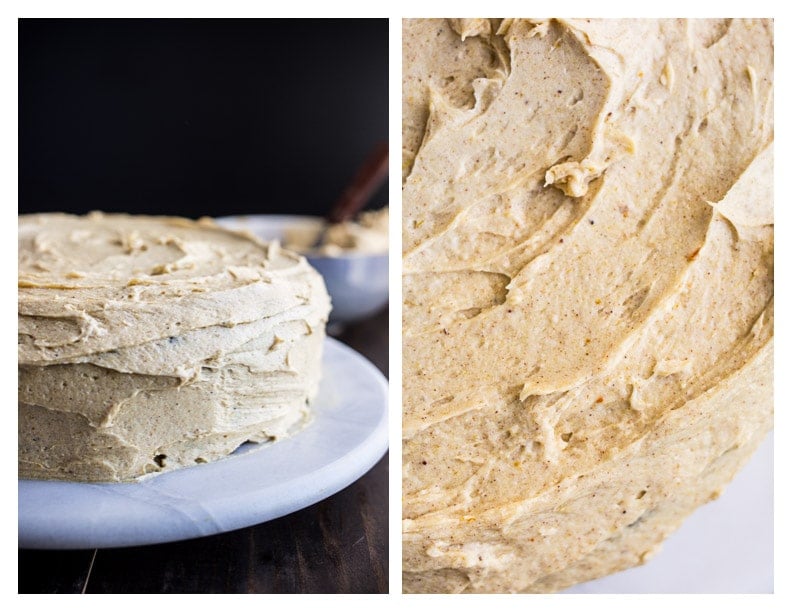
348 435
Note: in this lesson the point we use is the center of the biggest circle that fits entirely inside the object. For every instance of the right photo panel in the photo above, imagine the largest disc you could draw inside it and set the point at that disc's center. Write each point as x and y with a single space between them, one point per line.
588 314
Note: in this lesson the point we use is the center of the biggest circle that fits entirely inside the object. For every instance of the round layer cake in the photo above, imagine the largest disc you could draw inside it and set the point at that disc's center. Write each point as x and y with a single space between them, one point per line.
152 343
588 289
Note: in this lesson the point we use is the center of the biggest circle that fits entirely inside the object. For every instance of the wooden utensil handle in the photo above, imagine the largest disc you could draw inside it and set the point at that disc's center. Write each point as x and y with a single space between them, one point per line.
368 178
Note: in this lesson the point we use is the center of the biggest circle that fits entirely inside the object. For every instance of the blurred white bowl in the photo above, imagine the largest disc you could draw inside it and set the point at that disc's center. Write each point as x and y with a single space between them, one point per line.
357 283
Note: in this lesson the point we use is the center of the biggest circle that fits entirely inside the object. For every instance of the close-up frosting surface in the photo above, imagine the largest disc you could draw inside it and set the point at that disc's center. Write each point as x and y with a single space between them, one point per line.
587 289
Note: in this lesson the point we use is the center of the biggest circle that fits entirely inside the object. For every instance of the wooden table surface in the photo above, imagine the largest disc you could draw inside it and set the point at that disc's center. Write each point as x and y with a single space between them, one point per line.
338 545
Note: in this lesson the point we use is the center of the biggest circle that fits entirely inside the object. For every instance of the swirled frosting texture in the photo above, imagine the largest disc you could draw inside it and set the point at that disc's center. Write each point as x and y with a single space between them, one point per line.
588 289
151 343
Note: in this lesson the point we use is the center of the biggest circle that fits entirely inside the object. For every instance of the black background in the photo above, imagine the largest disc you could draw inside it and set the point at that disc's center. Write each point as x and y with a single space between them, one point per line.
198 117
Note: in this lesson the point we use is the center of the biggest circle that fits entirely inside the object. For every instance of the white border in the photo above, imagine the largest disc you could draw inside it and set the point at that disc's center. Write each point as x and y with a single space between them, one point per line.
395 300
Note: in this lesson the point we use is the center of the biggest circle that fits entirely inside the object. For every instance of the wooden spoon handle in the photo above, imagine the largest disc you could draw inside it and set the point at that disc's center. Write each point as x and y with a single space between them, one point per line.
367 180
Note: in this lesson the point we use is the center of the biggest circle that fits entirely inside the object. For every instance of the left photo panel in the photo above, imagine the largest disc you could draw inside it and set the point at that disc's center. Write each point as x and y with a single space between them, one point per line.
203 306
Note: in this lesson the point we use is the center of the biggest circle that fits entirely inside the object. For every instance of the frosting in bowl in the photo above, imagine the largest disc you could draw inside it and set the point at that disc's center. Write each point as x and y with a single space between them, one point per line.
366 235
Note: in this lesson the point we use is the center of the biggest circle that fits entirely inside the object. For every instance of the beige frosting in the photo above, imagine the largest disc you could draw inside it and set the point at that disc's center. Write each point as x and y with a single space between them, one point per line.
151 343
588 289
366 235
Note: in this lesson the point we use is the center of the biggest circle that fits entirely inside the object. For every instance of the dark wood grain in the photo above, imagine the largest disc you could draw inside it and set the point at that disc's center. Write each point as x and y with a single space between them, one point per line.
61 571
338 545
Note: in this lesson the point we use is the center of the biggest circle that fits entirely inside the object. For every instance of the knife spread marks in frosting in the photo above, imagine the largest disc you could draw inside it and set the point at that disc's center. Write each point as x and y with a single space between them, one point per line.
588 289
151 343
